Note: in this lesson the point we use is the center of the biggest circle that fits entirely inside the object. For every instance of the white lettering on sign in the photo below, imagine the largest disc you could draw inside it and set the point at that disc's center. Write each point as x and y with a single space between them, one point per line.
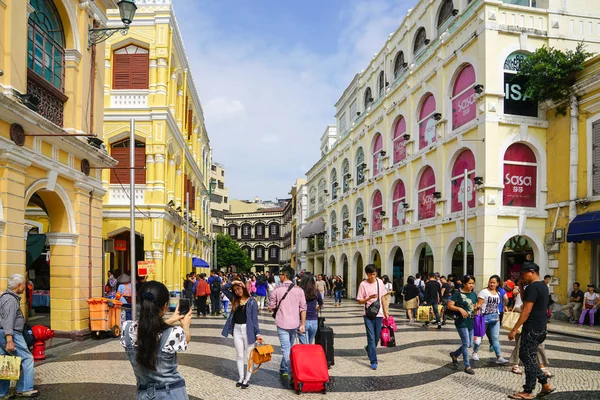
465 103
517 180
428 199
515 92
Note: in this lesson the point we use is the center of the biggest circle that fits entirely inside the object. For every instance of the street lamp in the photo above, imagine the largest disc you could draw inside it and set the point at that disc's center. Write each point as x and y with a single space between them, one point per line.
127 10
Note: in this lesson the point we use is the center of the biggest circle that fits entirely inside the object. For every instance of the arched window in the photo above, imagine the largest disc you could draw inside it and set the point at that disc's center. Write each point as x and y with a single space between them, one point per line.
360 218
259 231
425 194
334 184
368 98
376 210
120 152
446 12
246 231
274 230
259 253
399 64
131 68
520 176
464 106
465 160
427 122
399 204
360 166
233 231
333 223
46 43
346 176
322 188
377 156
312 201
399 141
420 40
515 100
381 84
273 253
345 222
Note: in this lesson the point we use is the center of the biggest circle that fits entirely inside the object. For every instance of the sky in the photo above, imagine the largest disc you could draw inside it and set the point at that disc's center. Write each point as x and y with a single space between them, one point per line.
269 72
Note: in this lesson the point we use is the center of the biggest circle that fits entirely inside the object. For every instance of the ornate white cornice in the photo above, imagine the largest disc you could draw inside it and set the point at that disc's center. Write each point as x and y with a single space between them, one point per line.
94 11
62 239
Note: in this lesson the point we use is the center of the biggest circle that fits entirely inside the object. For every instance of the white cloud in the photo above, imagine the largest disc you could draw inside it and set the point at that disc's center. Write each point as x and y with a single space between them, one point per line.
266 106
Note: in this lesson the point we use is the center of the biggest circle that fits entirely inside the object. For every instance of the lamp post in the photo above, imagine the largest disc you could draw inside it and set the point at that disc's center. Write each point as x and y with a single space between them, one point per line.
211 185
127 9
132 216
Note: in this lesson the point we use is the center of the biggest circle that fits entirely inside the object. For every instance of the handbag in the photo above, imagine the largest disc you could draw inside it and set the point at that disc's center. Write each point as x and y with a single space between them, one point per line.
479 326
282 299
373 309
10 368
260 354
509 320
390 322
423 313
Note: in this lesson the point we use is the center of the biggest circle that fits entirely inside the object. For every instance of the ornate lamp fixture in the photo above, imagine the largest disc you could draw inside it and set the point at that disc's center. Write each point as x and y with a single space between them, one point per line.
127 10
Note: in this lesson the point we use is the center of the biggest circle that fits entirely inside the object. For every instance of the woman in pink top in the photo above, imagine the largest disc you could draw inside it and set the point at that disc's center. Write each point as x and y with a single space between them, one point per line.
370 291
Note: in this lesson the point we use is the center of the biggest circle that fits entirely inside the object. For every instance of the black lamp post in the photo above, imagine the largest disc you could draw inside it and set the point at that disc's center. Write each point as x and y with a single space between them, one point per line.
127 9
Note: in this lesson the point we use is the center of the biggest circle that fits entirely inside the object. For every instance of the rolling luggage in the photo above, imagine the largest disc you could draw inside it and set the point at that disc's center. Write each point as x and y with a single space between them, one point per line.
324 337
309 368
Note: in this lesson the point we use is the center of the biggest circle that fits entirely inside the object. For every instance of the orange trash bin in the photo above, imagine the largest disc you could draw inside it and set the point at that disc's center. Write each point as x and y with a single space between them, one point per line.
105 315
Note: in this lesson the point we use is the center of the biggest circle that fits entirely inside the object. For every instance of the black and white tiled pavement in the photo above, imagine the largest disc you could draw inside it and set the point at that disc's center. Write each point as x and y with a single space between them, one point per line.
418 368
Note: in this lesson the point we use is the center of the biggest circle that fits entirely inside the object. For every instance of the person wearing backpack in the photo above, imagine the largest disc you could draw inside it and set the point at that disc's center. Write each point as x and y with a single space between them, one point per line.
421 287
215 292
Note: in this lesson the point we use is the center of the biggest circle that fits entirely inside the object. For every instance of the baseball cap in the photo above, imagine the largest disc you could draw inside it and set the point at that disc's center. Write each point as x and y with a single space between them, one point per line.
530 266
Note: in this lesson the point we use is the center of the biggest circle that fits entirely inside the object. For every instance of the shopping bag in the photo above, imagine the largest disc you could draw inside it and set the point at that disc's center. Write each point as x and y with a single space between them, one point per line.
391 323
509 320
423 313
10 368
479 327
385 336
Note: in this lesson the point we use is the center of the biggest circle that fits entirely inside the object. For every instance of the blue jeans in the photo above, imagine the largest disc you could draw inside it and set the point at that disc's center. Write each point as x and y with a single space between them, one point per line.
286 338
338 296
310 331
25 382
179 393
373 328
492 329
466 338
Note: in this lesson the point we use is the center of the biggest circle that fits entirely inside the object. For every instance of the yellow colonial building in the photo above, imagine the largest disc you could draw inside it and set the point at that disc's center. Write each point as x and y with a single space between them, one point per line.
573 225
441 98
51 84
148 80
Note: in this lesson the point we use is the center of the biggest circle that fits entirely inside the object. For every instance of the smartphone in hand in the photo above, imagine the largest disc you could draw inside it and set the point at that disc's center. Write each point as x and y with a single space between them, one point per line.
184 306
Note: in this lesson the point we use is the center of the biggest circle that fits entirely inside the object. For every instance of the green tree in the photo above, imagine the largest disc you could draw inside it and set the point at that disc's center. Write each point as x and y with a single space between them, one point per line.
551 74
229 253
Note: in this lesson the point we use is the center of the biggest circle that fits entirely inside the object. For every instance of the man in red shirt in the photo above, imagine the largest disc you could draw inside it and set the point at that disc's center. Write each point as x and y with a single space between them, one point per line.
202 292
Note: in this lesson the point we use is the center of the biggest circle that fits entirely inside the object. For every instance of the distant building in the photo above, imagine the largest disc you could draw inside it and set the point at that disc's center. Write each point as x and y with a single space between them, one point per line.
259 232
219 199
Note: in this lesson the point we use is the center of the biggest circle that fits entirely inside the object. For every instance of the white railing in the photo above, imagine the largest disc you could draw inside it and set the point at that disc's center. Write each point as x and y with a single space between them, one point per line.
119 195
129 99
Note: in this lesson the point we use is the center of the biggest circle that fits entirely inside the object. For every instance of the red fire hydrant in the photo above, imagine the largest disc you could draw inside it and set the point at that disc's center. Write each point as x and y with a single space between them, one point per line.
42 334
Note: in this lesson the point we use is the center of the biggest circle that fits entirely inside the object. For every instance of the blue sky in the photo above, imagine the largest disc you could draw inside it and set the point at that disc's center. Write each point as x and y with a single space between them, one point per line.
269 73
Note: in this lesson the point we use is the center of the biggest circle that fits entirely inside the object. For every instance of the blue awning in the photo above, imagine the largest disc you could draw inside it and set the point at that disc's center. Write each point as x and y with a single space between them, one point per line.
584 227
198 262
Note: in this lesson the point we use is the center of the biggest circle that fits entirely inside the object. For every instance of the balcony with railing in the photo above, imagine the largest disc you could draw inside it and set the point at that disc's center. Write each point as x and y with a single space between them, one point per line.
129 99
119 195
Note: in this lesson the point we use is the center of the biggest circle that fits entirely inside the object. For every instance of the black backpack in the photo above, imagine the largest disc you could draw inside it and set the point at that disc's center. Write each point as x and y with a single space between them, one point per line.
215 285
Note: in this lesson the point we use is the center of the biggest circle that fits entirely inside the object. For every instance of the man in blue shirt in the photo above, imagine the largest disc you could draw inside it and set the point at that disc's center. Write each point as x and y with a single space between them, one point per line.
214 282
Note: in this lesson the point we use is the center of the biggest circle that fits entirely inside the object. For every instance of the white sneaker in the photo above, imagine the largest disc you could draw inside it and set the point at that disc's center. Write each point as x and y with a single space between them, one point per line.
475 357
501 360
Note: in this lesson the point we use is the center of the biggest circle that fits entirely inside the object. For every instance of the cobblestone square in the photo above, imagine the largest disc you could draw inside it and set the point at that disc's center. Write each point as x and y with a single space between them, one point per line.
418 367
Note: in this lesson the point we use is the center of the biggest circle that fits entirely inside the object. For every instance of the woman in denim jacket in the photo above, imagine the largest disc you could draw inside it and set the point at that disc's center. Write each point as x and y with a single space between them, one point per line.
152 344
242 324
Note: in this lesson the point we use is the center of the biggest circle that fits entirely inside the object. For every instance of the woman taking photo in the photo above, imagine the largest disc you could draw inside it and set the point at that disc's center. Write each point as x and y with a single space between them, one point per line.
489 302
242 324
411 298
152 344
464 304
314 302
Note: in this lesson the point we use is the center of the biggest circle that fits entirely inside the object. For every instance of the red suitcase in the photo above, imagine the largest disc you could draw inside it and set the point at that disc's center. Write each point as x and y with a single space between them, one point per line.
309 368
